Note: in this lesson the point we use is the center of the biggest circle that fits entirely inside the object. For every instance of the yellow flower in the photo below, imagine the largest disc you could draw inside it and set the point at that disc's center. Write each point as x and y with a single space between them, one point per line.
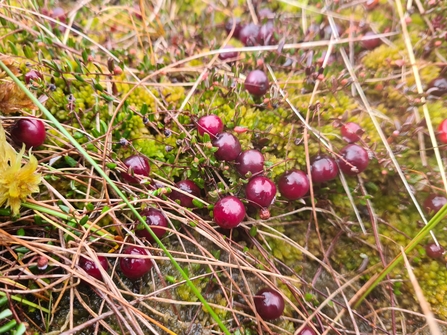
17 182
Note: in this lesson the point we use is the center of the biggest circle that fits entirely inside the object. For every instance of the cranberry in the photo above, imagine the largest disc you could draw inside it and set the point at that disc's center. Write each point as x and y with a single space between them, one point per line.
323 168
250 161
434 251
370 43
442 131
249 34
293 184
266 34
261 191
228 56
135 268
187 186
351 132
32 75
229 212
433 203
237 28
136 165
353 156
30 131
92 268
137 12
269 304
210 124
228 146
438 87
156 221
256 83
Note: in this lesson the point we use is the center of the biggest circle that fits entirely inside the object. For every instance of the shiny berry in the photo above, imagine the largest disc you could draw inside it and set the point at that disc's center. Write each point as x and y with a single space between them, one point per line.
228 56
210 124
437 87
135 268
187 186
354 159
228 146
155 220
30 131
368 42
442 131
32 75
433 203
249 34
269 304
136 165
266 34
92 268
323 168
237 28
293 184
260 191
434 251
250 161
228 212
257 83
351 132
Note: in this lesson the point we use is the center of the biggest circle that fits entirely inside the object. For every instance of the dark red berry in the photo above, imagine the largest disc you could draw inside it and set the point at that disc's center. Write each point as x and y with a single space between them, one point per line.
354 159
136 165
210 124
437 87
370 40
323 168
32 75
442 131
260 191
228 56
135 268
257 83
156 221
228 212
137 11
293 184
266 34
92 268
228 146
351 132
237 28
249 34
30 131
269 304
433 203
187 186
434 251
250 161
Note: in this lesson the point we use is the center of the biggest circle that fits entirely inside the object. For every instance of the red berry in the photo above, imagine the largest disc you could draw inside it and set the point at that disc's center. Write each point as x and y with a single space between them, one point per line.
351 132
323 168
434 251
237 28
438 87
210 124
32 75
261 191
269 304
92 268
228 56
257 83
442 131
433 203
228 146
156 221
135 268
250 161
30 131
229 212
187 186
354 159
266 34
293 184
136 165
249 34
370 43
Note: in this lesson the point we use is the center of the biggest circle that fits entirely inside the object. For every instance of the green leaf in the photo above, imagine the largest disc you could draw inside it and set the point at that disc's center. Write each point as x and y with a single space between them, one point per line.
84 220
20 329
253 231
197 203
144 109
70 161
111 166
7 327
5 314
21 232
